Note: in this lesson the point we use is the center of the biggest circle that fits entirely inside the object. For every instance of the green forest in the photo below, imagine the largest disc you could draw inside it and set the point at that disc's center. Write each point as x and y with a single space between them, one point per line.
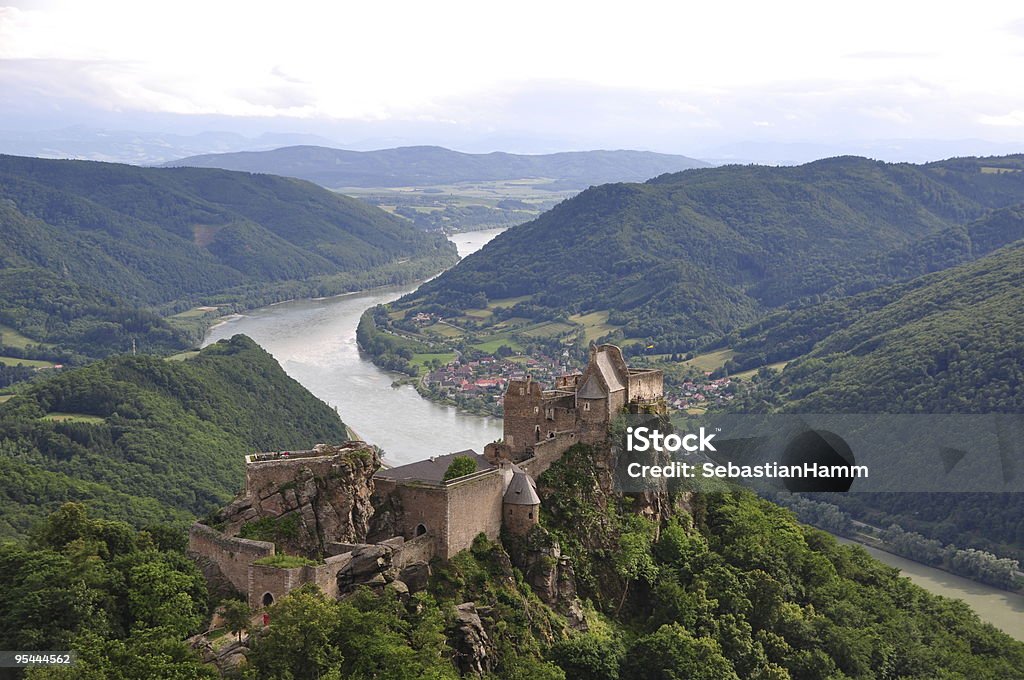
684 259
715 586
142 439
87 246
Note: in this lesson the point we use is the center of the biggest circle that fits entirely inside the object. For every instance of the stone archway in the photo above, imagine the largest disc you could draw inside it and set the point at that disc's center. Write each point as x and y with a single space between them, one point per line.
268 599
421 529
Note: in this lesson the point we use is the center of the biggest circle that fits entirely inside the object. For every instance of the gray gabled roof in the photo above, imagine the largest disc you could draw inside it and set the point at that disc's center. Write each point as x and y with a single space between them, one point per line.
521 490
592 389
608 372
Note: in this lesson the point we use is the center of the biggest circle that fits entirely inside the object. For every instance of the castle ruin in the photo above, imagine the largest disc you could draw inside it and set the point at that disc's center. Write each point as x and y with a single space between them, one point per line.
377 526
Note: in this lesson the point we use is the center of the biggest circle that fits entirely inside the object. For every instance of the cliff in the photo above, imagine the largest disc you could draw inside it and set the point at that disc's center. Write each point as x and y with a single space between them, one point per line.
305 501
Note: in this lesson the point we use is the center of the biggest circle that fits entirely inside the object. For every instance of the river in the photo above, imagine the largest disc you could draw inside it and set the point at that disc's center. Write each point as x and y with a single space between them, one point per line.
1003 609
315 343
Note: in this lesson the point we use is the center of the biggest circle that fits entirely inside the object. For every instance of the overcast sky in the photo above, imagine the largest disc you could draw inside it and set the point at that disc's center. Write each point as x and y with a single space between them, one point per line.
671 76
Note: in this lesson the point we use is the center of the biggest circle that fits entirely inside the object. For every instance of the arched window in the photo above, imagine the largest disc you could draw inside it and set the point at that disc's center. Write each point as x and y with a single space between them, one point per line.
536 432
421 529
268 599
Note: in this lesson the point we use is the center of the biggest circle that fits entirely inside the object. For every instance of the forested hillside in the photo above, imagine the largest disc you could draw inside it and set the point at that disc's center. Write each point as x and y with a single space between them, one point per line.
431 165
718 586
144 439
175 238
685 258
947 342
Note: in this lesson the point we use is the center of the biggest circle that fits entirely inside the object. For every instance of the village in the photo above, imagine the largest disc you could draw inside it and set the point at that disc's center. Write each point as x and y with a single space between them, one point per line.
478 385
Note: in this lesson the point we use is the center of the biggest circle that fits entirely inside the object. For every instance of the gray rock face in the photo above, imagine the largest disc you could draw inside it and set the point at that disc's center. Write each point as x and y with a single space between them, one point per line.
474 652
314 501
415 576
549 573
371 566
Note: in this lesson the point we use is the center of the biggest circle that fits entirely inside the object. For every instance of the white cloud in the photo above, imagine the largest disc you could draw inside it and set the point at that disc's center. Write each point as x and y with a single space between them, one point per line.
894 114
1013 118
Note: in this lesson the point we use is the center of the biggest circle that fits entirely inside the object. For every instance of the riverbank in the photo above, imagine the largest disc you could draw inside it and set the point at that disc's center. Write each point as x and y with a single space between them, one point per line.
315 343
1002 608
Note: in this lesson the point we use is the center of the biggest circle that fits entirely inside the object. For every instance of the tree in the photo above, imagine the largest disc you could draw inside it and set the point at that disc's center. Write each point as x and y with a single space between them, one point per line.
236 616
300 643
460 467
672 652
588 657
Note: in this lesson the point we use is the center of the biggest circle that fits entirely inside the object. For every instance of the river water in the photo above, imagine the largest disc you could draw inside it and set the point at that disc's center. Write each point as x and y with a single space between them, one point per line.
315 343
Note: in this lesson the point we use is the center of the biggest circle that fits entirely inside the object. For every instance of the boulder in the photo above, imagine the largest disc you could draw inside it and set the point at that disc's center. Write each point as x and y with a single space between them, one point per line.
371 565
415 576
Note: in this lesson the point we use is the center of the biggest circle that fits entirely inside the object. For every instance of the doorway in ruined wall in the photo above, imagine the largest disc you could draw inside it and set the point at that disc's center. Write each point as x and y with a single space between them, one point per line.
268 599
421 529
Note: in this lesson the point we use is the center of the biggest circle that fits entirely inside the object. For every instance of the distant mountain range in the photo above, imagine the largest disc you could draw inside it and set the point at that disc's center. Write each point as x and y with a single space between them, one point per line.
136 147
434 165
685 258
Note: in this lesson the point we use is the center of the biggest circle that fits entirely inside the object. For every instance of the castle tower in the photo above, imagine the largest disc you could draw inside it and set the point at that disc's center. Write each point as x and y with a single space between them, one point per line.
523 417
520 510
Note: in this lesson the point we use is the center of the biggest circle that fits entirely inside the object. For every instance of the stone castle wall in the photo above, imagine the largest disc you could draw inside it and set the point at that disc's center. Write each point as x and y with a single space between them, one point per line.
547 452
474 507
233 555
646 385
522 414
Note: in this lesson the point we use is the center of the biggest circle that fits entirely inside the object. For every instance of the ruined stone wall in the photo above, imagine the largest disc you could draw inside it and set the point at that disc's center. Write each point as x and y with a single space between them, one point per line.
419 549
233 555
548 452
646 386
325 575
474 507
327 496
275 581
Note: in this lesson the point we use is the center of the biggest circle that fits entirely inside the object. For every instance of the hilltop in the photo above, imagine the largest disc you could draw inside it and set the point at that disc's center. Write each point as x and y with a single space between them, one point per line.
432 165
686 258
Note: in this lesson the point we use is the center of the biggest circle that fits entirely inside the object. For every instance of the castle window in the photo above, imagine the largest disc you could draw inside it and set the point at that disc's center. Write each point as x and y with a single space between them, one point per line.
530 516
536 432
536 410
586 406
268 599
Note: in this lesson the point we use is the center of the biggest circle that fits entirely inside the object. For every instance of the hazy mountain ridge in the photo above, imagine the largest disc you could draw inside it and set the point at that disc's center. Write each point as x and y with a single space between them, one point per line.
430 165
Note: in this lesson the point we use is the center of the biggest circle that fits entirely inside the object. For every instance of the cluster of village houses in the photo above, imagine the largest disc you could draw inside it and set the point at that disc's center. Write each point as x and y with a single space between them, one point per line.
488 376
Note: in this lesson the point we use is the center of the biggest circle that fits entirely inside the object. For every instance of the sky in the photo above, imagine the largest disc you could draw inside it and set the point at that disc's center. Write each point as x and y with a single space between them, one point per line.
669 76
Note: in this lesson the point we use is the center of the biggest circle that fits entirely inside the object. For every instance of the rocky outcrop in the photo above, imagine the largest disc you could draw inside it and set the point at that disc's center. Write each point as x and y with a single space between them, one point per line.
226 658
304 503
474 653
371 566
550 574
